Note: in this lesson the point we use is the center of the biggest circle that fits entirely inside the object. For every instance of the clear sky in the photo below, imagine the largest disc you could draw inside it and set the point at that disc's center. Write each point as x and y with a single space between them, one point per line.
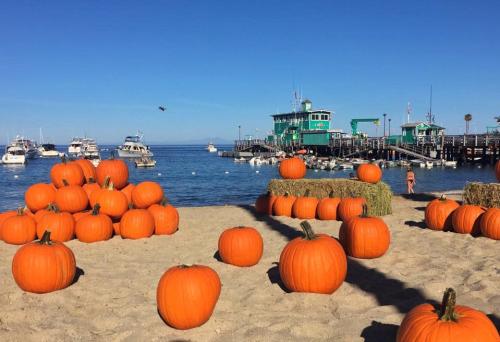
101 68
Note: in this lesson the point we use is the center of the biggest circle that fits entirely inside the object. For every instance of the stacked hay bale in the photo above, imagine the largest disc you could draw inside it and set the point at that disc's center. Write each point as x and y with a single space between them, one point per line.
378 196
482 194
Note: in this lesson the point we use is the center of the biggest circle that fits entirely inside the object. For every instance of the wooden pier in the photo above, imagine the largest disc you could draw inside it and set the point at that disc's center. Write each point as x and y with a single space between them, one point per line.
478 148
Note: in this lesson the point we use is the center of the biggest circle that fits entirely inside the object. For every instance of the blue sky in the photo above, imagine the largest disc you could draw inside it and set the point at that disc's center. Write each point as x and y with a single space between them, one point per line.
101 68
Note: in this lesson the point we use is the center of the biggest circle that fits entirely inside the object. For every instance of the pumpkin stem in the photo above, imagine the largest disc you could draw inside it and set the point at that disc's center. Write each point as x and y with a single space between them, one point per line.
306 194
53 207
111 186
63 159
45 240
164 201
131 206
287 194
443 197
185 265
331 194
107 180
447 312
308 231
20 211
96 209
365 210
65 182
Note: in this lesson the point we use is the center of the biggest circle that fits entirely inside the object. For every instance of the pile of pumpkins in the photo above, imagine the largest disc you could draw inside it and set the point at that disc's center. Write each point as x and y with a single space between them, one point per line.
89 203
447 215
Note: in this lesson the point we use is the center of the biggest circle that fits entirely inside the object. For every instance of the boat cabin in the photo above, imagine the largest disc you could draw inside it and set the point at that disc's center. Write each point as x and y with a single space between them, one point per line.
420 132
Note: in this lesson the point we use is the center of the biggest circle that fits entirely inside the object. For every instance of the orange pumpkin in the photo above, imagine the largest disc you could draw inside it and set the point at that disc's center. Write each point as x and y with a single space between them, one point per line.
146 194
61 224
137 224
350 207
264 203
42 212
313 263
44 266
166 218
115 169
292 168
305 207
449 323
113 202
127 191
89 172
438 213
241 246
71 198
465 219
282 206
497 170
19 229
39 196
186 295
69 171
327 207
365 237
369 173
90 187
3 216
490 223
94 227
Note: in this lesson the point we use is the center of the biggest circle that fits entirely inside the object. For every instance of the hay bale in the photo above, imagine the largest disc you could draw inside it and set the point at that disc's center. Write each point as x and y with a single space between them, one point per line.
378 196
483 194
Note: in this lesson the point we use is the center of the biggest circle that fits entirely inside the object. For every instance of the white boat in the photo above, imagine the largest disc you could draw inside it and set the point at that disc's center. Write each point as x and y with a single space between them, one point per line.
240 160
358 161
145 162
429 164
417 162
450 163
346 166
90 151
133 147
211 148
75 147
14 155
255 161
29 146
48 150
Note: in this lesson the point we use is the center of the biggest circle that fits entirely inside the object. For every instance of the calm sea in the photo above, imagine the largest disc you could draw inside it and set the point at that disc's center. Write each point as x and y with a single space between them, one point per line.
193 177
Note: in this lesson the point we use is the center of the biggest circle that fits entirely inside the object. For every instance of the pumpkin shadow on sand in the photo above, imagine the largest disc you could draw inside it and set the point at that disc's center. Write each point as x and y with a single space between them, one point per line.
274 276
495 320
79 272
380 332
416 224
217 256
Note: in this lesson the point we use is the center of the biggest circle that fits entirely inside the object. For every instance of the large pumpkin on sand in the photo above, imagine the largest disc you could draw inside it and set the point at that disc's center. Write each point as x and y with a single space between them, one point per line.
448 323
166 218
43 266
115 169
39 196
146 194
283 205
19 229
137 224
67 171
327 207
304 207
369 173
292 168
350 207
438 213
365 237
264 203
241 246
466 218
186 295
490 223
313 263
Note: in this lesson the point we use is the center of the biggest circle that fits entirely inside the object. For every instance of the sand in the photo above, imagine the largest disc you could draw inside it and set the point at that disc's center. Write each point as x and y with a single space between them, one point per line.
114 298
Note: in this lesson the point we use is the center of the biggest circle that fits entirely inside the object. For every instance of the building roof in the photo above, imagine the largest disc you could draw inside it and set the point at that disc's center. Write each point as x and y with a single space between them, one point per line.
320 111
415 124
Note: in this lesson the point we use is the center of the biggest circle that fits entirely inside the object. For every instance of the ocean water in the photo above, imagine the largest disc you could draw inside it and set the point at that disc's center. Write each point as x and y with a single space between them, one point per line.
191 176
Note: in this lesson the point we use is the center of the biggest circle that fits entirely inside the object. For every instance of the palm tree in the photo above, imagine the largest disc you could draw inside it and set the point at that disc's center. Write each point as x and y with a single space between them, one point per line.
467 118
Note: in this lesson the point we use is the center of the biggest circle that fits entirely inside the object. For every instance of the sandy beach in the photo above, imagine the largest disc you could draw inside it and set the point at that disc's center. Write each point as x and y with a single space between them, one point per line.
114 296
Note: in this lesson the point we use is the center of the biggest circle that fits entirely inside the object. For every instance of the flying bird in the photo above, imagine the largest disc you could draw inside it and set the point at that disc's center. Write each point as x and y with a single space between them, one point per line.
162 108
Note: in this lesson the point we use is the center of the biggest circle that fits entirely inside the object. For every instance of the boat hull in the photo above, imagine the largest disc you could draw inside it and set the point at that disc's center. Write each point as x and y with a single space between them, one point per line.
127 154
9 159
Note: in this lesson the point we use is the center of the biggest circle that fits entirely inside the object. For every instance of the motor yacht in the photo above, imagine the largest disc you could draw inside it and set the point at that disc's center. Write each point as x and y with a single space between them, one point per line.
211 148
133 147
75 147
29 146
14 154
48 150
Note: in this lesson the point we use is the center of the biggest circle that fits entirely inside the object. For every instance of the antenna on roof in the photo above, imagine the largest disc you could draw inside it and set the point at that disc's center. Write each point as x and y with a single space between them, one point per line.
430 117
409 111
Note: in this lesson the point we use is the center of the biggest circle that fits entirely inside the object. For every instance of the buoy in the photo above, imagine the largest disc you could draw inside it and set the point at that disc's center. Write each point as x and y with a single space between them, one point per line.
16 176
159 173
226 172
257 171
193 173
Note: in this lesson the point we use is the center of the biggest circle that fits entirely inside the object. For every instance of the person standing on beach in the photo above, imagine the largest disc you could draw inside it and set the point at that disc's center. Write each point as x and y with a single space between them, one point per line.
410 180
